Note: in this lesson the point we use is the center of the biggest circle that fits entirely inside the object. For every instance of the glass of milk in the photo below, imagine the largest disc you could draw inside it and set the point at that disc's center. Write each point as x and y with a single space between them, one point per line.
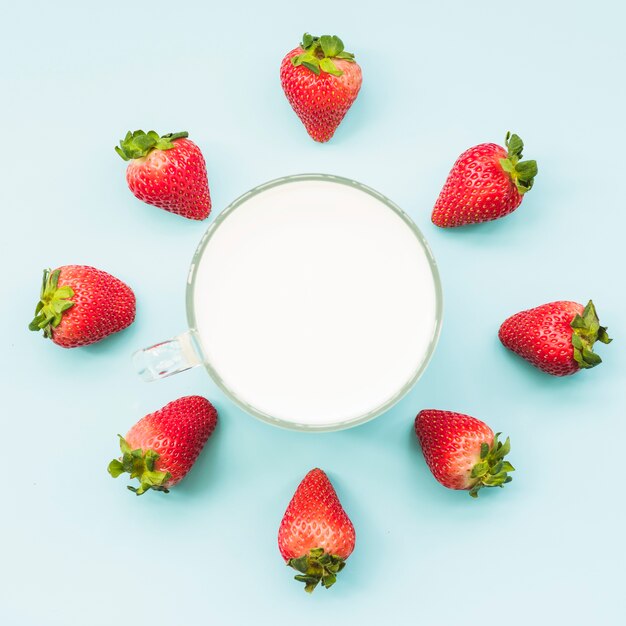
313 302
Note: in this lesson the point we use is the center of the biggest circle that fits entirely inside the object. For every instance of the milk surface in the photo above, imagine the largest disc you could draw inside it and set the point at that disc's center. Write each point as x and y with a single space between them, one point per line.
315 302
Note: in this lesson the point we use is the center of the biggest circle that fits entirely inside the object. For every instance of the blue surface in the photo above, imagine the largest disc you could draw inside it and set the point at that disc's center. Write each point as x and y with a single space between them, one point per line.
77 548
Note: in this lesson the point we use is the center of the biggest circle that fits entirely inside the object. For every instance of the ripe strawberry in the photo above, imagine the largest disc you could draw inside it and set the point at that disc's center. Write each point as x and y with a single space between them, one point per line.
461 451
321 81
316 536
168 172
486 182
79 305
161 448
557 337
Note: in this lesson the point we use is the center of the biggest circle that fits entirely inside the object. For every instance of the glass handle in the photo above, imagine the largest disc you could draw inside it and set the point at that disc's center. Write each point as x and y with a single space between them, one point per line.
167 358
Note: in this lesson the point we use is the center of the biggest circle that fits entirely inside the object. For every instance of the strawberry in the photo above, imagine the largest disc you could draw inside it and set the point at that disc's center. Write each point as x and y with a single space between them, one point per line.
321 81
168 172
461 451
79 305
557 337
161 447
486 182
316 536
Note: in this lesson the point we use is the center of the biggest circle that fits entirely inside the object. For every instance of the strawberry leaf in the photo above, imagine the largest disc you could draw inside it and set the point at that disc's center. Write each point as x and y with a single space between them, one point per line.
502 449
514 145
53 302
586 330
491 470
331 46
139 464
328 66
307 40
527 169
328 580
507 166
522 173
313 66
115 468
480 469
317 566
139 144
497 468
319 53
301 564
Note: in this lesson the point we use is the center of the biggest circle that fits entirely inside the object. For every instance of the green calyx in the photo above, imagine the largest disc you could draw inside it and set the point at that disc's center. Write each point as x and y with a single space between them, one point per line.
138 144
521 172
139 464
319 53
53 302
586 331
492 470
315 567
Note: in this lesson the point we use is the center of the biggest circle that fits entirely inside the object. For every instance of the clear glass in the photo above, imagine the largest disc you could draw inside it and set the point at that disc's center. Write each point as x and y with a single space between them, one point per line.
185 351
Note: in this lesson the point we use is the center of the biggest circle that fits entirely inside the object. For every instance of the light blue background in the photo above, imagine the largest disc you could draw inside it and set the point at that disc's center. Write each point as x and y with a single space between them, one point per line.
77 548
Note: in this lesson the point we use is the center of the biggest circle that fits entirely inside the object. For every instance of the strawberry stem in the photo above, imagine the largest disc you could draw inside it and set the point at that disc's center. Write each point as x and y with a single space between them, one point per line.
139 464
319 53
492 470
53 302
522 173
586 331
317 566
138 144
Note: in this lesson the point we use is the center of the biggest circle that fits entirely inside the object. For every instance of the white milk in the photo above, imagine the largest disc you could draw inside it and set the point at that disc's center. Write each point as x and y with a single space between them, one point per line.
315 302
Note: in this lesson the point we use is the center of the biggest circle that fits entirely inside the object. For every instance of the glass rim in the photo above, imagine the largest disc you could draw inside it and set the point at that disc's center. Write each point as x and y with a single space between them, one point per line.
231 395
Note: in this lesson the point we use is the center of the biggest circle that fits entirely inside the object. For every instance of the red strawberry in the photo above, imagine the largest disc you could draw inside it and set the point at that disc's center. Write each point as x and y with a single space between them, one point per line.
316 536
80 305
486 182
461 451
321 81
557 337
161 448
168 172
